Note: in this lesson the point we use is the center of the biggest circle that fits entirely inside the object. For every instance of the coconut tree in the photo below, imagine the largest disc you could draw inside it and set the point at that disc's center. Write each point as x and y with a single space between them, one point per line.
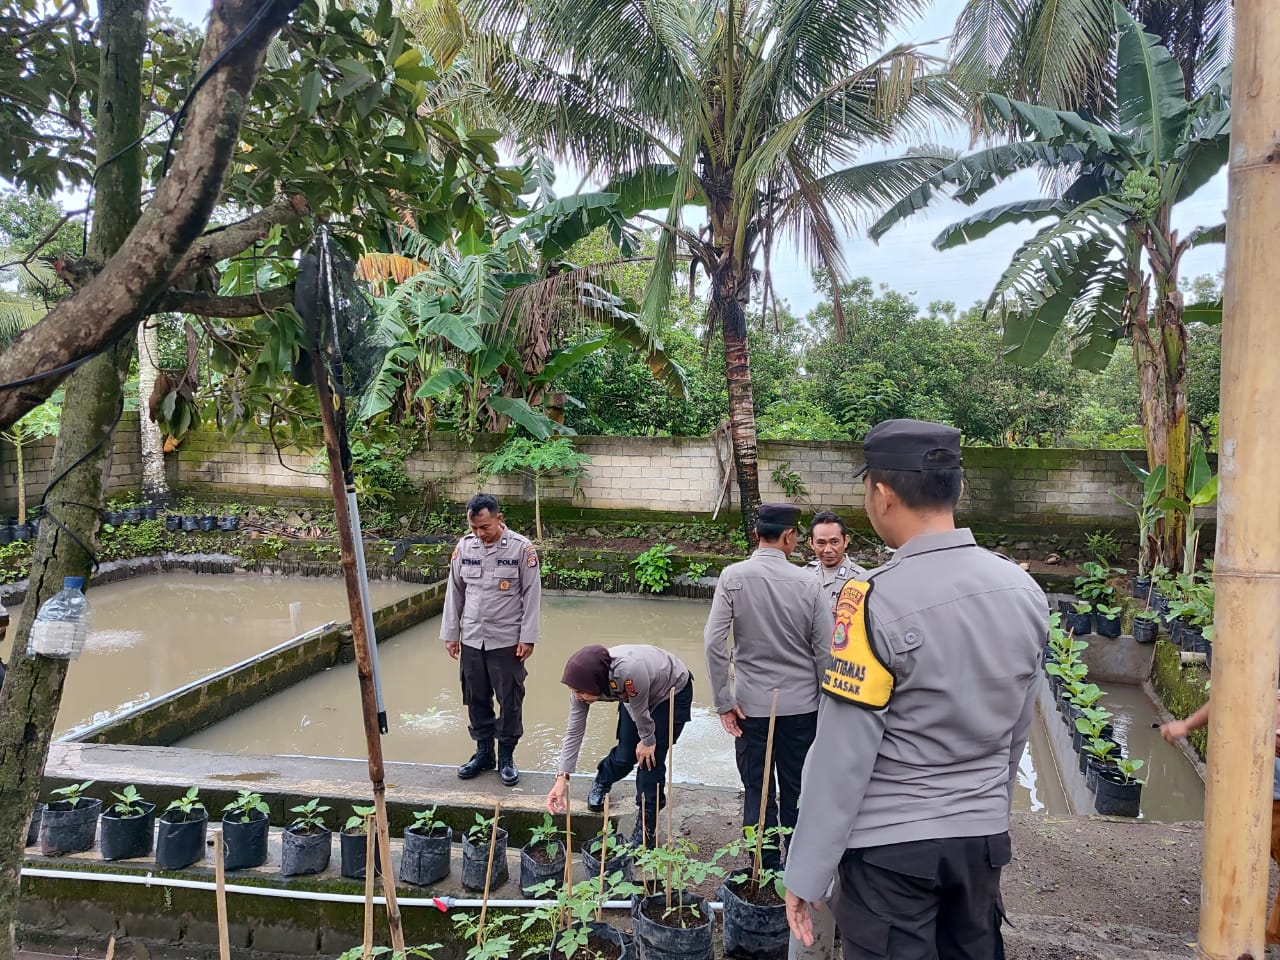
1106 265
752 111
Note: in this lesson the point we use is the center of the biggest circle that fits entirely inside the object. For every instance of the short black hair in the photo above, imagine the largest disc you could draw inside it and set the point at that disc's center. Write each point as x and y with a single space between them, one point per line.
826 516
922 489
482 502
772 531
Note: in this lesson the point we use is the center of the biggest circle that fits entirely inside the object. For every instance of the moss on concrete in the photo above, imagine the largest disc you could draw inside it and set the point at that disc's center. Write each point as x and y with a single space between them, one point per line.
1182 689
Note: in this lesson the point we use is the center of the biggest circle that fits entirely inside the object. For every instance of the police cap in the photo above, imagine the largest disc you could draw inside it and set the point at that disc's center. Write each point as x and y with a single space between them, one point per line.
910 445
779 514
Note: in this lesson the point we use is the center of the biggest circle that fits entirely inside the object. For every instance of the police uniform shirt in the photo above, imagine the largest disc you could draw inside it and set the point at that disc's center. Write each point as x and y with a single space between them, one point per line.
781 626
641 677
494 594
919 737
834 578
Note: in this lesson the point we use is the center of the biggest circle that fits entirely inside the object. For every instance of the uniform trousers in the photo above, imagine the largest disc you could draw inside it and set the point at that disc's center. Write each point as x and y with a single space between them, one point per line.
923 899
618 762
792 737
488 674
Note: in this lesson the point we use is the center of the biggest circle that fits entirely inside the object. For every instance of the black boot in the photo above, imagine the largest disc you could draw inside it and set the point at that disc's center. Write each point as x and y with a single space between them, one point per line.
595 799
507 771
483 759
645 833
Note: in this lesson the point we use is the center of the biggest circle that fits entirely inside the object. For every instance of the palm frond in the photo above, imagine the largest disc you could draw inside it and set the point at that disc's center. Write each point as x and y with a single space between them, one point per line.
382 269
981 224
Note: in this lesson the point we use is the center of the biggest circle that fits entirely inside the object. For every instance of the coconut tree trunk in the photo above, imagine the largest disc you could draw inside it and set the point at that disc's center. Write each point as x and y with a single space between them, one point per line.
725 309
32 690
155 486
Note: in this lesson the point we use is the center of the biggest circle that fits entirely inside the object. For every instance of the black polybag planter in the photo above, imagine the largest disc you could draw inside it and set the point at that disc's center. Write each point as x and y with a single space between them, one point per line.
1145 631
229 524
534 872
352 847
124 838
115 517
172 522
475 860
68 829
752 931
620 861
1080 624
180 844
132 514
151 513
1107 626
190 523
305 853
207 523
246 843
603 931
1114 797
33 828
657 941
21 532
6 534
1140 587
424 858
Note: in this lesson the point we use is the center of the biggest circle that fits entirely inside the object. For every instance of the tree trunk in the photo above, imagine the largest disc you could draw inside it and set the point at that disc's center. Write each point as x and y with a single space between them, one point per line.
32 691
155 487
22 484
726 311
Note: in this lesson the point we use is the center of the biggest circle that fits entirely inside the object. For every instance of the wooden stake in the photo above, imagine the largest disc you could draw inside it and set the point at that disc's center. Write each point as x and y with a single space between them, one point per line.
604 855
111 948
764 790
488 872
671 800
562 916
220 896
1238 787
370 868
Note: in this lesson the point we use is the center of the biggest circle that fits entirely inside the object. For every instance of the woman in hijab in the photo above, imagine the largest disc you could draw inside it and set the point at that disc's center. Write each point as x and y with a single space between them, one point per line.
639 678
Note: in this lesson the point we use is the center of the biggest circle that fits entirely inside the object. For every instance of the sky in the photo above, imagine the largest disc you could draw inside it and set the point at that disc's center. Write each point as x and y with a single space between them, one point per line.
905 260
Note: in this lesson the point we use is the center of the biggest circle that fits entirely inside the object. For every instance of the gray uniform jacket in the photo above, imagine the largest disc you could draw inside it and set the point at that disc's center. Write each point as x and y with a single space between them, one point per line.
645 676
494 594
781 625
962 630
833 579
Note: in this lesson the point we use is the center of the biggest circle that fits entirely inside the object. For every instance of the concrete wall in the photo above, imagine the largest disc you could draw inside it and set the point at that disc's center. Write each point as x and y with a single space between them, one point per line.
1008 486
123 476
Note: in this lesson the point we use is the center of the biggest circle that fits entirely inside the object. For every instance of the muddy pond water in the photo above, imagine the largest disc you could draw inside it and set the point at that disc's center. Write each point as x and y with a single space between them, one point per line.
321 715
153 634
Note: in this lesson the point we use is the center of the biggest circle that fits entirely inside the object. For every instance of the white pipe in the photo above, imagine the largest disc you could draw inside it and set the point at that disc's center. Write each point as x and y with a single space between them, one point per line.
439 903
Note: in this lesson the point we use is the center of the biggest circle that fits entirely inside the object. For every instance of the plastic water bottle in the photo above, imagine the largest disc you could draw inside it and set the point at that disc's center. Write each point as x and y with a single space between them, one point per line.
62 624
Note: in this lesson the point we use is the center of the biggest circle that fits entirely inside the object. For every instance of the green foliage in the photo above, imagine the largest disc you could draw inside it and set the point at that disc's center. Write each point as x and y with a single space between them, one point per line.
539 459
654 568
677 867
185 806
358 822
480 831
1103 545
145 538
426 951
792 484
310 817
244 806
548 835
129 803
1102 750
72 794
798 420
1129 768
425 822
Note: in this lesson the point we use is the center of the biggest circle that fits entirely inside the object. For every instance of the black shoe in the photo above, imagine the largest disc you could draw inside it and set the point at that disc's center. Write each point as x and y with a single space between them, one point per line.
483 759
507 771
595 799
641 837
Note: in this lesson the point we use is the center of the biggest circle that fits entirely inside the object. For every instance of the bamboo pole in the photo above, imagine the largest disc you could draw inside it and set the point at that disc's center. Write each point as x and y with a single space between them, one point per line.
1247 560
562 915
360 640
758 861
671 800
220 896
370 868
488 872
604 855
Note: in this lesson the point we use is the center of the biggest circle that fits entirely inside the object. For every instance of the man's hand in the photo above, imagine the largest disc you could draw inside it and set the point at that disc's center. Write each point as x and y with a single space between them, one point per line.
557 798
798 919
1174 730
644 755
730 721
524 651
454 647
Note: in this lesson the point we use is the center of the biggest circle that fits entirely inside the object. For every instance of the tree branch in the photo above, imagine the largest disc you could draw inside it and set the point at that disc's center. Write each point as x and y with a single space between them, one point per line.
207 305
115 300
222 243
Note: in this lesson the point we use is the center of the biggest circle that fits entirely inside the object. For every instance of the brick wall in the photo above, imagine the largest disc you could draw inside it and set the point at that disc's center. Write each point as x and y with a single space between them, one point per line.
1055 487
123 477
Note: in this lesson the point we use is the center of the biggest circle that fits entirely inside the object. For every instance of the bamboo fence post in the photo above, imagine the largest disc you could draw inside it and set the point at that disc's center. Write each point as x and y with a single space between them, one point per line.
220 896
1247 560
671 800
604 855
370 868
488 872
757 862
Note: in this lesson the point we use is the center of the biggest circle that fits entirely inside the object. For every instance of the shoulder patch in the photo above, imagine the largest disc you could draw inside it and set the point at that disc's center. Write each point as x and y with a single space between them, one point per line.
854 673
531 557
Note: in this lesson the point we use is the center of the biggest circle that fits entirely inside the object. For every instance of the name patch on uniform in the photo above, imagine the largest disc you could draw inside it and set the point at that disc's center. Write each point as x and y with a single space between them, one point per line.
508 562
855 674
471 561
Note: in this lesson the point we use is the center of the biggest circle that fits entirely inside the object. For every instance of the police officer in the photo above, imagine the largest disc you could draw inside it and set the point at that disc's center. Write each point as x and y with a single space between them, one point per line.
640 678
490 623
927 698
781 624
829 539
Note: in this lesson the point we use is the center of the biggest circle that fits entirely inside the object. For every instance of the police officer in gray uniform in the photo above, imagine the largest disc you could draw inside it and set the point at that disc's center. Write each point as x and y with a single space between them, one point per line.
781 625
490 624
829 539
927 698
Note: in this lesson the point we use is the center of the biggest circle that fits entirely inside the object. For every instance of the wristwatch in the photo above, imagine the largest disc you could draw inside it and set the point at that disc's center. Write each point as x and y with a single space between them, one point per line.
562 776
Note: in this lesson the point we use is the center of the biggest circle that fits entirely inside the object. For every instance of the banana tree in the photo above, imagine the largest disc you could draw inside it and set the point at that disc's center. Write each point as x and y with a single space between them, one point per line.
1106 264
1147 510
1201 491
